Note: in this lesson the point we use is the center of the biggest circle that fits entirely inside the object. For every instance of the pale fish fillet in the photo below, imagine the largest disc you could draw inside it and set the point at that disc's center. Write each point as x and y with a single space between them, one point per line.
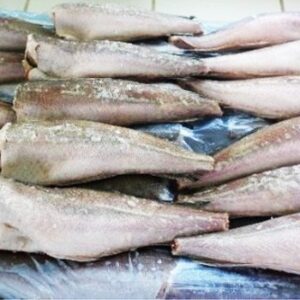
11 69
7 114
13 33
83 225
273 97
271 193
278 60
60 153
69 59
269 148
252 32
116 102
274 244
86 22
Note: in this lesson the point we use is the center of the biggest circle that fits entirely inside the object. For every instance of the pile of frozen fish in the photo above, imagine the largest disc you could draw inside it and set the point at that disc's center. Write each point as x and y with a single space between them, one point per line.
78 184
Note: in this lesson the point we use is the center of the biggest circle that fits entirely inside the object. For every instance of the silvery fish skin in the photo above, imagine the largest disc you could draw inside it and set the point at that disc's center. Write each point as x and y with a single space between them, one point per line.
249 33
271 193
272 244
269 148
86 22
7 114
110 101
105 59
13 33
69 152
11 69
278 60
83 225
272 98
142 186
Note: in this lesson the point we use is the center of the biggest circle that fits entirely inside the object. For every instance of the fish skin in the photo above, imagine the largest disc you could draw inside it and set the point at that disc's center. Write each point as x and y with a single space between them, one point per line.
83 151
7 114
278 60
272 98
249 33
269 148
273 244
83 225
13 33
271 193
86 22
141 186
116 102
105 59
11 69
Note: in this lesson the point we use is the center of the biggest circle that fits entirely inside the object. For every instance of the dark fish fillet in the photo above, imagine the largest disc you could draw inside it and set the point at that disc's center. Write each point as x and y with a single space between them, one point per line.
11 69
278 60
271 193
142 186
86 22
269 148
83 225
273 244
60 153
249 33
13 33
70 59
273 98
116 102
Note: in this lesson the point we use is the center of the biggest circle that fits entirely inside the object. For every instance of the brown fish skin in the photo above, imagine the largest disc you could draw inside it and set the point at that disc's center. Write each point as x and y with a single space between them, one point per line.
272 244
269 148
7 114
70 59
86 22
249 33
278 60
61 153
110 101
13 33
273 98
11 69
84 225
271 193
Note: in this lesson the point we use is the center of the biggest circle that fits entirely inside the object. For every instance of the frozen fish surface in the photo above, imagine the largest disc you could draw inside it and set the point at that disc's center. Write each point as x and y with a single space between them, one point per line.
11 69
71 59
271 193
269 148
83 225
117 102
7 114
249 33
86 22
272 98
272 244
69 152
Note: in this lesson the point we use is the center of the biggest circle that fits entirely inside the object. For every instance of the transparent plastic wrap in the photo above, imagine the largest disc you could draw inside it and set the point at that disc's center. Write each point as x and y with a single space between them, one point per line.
147 273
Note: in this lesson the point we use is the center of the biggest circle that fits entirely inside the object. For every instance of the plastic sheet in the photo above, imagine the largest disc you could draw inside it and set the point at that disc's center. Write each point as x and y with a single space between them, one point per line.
148 273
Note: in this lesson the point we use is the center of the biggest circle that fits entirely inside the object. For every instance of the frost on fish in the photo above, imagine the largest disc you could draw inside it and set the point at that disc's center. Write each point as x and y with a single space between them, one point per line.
83 21
271 193
7 114
70 59
61 153
272 244
11 69
117 102
274 97
269 148
278 60
83 225
249 33
13 33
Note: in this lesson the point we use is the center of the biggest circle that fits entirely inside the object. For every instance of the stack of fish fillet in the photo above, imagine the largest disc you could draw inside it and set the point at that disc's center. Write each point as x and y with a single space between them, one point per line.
68 156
